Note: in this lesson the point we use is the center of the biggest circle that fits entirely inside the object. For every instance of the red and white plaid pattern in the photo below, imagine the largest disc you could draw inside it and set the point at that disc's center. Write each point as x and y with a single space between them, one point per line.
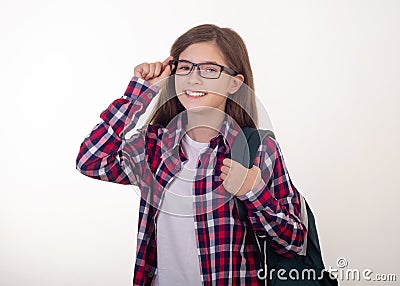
152 157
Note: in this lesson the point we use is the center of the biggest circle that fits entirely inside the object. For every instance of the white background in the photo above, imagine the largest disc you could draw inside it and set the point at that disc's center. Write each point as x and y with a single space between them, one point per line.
327 71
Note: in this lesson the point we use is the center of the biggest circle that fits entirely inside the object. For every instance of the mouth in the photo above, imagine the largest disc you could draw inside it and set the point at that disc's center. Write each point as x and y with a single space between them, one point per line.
195 93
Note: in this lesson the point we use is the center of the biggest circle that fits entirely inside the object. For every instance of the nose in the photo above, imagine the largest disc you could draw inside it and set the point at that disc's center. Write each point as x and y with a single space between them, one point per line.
194 77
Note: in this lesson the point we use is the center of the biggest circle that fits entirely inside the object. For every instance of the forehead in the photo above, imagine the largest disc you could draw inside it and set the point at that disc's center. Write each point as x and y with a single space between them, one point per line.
203 52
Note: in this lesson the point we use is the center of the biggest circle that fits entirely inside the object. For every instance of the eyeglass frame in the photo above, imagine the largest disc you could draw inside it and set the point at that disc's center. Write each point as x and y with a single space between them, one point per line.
223 68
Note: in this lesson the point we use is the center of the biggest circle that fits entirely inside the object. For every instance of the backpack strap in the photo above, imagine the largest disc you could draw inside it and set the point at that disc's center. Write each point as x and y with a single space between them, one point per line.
304 220
244 150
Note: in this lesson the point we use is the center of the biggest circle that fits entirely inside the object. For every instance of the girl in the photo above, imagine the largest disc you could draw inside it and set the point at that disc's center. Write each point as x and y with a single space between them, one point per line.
189 232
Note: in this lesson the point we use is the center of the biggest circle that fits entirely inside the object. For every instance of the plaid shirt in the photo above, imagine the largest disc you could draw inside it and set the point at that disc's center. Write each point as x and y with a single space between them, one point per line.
151 158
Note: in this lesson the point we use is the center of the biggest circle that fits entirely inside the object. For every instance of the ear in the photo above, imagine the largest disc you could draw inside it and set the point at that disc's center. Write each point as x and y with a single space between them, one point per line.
236 83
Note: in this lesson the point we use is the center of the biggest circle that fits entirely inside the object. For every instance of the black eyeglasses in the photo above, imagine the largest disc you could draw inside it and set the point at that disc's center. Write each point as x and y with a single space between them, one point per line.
205 70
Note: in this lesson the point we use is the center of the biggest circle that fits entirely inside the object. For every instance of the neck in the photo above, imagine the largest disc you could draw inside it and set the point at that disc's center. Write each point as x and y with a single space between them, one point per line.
202 126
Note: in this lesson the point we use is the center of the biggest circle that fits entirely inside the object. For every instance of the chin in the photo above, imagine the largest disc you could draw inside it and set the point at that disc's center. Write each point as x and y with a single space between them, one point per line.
196 108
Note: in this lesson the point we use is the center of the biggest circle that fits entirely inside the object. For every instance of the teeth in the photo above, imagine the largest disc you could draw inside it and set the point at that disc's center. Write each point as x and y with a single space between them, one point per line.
195 93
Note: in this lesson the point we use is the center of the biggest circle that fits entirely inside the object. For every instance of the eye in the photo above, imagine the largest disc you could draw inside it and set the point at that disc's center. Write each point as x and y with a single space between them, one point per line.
184 67
210 68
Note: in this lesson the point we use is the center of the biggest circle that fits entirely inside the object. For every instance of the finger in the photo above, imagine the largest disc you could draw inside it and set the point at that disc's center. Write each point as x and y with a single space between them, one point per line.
158 68
165 65
225 184
165 62
166 72
138 71
150 75
223 176
227 162
145 70
225 169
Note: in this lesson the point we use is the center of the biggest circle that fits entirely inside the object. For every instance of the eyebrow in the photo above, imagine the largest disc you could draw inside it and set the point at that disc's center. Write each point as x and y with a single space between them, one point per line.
208 62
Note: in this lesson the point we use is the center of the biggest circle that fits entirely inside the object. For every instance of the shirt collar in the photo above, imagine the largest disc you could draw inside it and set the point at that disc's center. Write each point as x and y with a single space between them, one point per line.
174 133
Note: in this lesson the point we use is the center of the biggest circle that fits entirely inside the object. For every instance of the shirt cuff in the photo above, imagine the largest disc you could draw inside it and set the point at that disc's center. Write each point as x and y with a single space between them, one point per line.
139 88
258 198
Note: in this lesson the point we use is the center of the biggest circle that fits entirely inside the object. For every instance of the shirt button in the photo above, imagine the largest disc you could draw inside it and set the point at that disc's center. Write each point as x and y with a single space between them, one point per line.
177 167
150 274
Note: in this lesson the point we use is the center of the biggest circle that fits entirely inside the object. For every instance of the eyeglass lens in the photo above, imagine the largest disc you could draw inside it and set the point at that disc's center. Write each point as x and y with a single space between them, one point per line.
206 70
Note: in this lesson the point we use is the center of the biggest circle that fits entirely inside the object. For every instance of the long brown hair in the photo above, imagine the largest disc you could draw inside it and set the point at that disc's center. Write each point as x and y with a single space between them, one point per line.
241 106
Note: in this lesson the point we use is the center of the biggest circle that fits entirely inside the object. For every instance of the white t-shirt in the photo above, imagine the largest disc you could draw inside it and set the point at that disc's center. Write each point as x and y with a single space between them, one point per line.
177 253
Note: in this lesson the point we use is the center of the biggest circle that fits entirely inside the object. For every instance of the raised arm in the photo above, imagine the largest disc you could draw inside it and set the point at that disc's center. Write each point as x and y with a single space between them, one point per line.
100 155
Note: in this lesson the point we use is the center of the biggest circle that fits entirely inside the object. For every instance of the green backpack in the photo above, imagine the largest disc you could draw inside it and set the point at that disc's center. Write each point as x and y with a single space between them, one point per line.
274 267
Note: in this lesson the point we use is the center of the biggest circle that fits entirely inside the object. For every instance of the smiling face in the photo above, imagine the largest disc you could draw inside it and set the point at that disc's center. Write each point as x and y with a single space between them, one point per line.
194 91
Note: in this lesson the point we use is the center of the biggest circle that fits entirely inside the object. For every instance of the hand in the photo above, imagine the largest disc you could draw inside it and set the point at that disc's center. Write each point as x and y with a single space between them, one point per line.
154 73
237 179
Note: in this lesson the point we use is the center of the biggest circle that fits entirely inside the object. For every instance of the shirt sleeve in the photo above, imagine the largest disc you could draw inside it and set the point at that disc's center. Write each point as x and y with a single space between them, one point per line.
100 155
273 205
